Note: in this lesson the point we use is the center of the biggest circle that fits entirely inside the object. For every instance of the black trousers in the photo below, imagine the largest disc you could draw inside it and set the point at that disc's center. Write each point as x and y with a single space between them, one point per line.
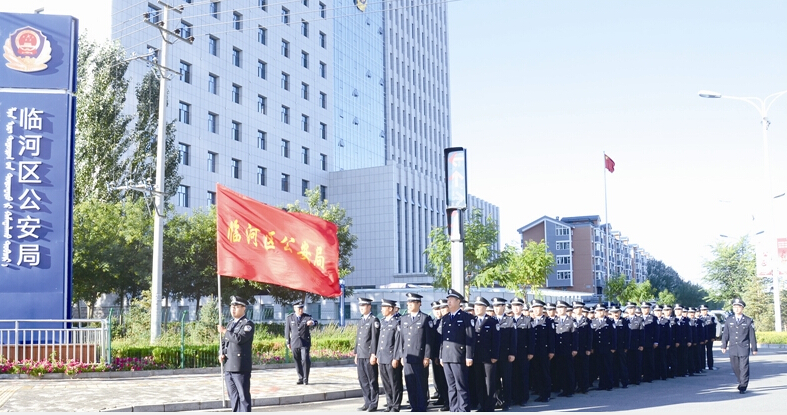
485 381
603 364
303 362
740 365
682 356
582 371
648 364
709 352
672 358
521 379
661 361
239 390
456 376
634 357
564 378
392 383
414 380
504 380
439 382
367 377
539 366
620 372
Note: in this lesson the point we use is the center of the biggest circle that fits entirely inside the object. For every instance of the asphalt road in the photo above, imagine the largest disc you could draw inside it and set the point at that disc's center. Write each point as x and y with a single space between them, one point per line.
708 393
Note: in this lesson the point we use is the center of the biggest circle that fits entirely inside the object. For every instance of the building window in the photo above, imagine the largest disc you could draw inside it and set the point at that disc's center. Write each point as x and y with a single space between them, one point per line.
262 70
322 10
262 140
185 29
285 81
285 48
304 187
561 231
285 15
213 82
564 275
305 91
236 93
562 259
323 192
323 100
304 28
152 55
323 162
323 70
211 199
214 9
183 196
183 154
323 131
263 5
285 182
285 114
262 176
306 3
213 45
285 148
185 72
563 245
237 20
322 40
304 59
236 57
184 113
236 131
235 169
305 155
213 121
262 104
262 35
154 13
212 161
305 122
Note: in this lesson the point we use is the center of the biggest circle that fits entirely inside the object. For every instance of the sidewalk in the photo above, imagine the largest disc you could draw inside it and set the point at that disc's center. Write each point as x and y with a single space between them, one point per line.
181 392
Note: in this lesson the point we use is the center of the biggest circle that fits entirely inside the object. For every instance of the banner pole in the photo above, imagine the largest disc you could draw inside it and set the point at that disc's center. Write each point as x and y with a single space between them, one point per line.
223 384
606 219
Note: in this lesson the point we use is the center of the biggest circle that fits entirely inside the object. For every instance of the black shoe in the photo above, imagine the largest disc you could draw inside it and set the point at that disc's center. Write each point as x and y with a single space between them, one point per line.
444 409
300 382
363 408
542 400
386 410
372 410
742 391
305 382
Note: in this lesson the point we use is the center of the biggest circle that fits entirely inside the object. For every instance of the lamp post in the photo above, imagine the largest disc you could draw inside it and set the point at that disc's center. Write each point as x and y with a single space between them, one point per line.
763 106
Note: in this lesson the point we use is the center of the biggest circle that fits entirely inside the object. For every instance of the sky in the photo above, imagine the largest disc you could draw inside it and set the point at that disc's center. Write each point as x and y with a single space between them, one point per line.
539 90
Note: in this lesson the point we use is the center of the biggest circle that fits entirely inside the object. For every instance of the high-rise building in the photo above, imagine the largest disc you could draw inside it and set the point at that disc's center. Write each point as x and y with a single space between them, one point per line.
349 97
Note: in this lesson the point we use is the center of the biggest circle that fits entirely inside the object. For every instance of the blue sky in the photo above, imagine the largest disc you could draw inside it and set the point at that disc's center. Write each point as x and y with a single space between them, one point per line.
539 89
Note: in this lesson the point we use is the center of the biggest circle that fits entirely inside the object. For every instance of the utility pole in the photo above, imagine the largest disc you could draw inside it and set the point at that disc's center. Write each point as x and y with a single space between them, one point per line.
168 37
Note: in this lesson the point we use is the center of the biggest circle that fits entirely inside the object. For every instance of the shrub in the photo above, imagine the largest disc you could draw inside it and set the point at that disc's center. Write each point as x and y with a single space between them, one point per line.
771 337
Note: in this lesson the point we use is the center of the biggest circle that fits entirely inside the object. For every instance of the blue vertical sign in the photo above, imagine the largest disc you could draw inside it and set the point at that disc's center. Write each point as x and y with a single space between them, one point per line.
37 112
456 178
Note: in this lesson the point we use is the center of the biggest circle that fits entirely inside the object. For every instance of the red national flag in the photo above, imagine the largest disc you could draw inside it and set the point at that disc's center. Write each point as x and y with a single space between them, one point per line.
609 164
262 243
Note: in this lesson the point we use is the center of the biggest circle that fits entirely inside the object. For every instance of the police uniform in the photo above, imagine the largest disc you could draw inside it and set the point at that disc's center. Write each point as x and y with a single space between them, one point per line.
366 344
437 369
636 330
508 347
236 349
710 324
650 342
697 333
455 350
387 352
738 338
620 373
584 345
604 342
683 338
416 336
661 353
297 333
485 354
524 346
543 332
566 342
672 350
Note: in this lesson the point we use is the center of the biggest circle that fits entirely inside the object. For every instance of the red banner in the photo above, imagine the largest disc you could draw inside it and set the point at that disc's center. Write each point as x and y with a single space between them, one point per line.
262 243
609 164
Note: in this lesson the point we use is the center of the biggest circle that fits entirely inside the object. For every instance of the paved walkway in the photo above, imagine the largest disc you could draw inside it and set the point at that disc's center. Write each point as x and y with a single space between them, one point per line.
180 392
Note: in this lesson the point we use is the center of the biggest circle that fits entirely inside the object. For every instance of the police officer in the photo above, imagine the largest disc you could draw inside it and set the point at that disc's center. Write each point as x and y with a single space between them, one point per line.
485 355
697 335
298 336
671 352
683 340
524 344
366 344
236 355
604 344
387 358
566 348
441 394
584 344
738 336
650 342
508 349
456 352
543 332
416 348
620 373
636 339
710 324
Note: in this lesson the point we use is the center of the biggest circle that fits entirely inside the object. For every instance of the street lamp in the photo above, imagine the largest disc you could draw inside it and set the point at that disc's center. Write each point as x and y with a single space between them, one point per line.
763 106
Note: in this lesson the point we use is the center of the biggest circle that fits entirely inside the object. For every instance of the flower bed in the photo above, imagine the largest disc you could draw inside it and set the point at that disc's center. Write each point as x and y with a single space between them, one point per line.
42 367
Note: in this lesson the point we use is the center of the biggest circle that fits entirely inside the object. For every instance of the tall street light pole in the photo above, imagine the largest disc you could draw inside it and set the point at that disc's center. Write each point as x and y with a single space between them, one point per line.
763 106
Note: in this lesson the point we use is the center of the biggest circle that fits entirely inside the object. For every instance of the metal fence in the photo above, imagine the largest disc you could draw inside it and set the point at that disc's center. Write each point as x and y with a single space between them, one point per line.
84 340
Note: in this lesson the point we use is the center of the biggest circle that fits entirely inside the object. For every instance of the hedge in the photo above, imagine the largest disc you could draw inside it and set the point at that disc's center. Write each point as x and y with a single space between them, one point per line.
771 337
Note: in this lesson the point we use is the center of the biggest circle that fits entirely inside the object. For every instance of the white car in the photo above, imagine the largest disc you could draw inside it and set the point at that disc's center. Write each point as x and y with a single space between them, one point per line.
720 315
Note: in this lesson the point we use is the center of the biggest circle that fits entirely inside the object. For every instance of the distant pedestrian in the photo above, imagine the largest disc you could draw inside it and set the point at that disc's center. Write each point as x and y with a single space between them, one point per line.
738 335
236 355
297 334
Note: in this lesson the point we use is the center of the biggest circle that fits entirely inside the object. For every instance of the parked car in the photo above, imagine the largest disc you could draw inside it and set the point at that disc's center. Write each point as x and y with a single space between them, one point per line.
720 315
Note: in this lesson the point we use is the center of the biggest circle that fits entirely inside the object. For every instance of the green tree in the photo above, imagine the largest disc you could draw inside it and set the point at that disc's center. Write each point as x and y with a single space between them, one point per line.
480 254
730 271
662 277
190 255
640 292
615 289
520 269
666 297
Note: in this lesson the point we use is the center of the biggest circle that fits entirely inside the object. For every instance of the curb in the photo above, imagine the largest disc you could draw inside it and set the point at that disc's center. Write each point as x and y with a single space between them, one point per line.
257 402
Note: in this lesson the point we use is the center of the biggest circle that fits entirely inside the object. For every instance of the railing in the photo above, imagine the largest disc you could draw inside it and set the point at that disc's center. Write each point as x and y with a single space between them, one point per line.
84 340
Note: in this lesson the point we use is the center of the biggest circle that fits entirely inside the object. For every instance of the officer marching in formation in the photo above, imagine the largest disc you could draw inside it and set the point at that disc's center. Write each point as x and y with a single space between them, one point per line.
366 345
297 334
543 332
485 355
236 355
683 340
710 323
584 345
388 358
524 344
661 353
566 348
738 337
697 336
604 343
650 342
508 352
636 329
416 348
620 374
439 308
456 352
672 350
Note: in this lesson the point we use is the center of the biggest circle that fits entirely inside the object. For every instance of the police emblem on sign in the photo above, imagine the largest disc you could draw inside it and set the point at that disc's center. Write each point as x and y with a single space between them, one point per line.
27 50
361 5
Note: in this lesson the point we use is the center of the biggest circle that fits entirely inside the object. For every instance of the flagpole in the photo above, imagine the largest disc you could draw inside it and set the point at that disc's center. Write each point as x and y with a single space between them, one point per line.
221 361
606 219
